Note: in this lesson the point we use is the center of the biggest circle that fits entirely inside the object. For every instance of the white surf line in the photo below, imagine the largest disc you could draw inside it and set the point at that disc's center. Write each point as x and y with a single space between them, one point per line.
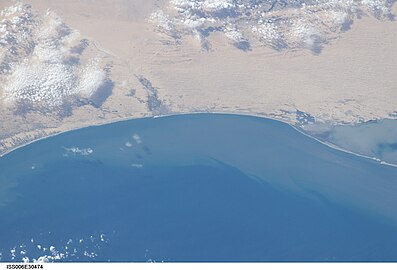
333 146
59 132
388 164
328 144
224 113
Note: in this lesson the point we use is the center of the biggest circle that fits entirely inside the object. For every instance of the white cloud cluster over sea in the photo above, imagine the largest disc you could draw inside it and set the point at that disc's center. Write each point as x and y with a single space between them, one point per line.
128 144
136 165
86 248
276 24
78 151
137 138
41 62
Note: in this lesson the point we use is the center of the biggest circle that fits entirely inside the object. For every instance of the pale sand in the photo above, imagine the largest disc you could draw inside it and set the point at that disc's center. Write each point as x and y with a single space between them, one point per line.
353 79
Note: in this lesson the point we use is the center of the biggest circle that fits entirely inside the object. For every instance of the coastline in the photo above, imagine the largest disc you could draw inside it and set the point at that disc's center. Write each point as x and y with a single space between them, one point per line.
328 144
338 93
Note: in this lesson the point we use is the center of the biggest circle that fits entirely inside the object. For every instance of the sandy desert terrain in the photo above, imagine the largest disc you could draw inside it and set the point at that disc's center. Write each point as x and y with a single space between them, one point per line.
142 70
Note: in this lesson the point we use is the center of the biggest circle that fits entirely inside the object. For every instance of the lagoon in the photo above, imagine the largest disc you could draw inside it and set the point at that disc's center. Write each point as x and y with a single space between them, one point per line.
200 187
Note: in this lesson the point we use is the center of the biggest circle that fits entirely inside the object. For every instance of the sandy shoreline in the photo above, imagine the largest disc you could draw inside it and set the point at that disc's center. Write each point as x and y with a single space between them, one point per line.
330 145
351 81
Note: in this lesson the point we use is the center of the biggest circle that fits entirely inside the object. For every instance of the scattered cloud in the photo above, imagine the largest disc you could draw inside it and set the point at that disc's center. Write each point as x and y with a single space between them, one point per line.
276 24
73 248
78 151
137 138
40 68
138 166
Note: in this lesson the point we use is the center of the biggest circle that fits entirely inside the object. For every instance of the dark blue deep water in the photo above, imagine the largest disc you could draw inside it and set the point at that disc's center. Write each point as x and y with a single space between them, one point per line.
194 188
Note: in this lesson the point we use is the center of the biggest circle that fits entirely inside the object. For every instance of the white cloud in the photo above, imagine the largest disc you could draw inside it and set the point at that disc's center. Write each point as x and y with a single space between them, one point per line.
138 166
73 247
293 26
40 82
137 138
91 79
79 151
162 20
233 34
40 67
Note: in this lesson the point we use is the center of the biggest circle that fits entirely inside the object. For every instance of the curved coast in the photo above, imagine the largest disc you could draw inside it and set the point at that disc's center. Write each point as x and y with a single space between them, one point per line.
202 169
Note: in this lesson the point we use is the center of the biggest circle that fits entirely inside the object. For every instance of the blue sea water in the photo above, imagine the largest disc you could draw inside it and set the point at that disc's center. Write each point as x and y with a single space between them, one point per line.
376 139
194 188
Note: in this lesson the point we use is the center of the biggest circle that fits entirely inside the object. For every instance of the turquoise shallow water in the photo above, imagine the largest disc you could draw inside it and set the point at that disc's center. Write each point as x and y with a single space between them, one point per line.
194 188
